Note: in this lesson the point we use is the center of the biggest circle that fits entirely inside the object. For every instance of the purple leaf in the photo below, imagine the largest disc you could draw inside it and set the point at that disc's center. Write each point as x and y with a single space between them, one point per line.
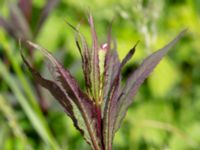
110 110
128 56
86 61
112 63
83 105
138 77
99 113
85 56
60 95
110 92
52 87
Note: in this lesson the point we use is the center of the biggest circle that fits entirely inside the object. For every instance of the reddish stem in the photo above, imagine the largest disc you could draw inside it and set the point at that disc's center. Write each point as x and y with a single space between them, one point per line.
99 125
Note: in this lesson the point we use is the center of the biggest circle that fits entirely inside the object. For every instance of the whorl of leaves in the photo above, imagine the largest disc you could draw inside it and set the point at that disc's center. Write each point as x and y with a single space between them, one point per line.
98 112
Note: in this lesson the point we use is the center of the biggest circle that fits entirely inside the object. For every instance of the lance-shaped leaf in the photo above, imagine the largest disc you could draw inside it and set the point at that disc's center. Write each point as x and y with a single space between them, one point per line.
112 64
63 98
137 77
110 111
109 117
83 107
86 61
95 72
52 87
85 55
59 94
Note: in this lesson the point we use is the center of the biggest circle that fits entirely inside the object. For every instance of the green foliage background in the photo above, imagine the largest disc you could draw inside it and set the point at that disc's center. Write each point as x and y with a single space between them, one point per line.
166 110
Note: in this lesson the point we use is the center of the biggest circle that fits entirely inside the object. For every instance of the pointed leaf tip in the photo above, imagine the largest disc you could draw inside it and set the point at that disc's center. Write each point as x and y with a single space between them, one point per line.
138 76
71 26
129 54
84 117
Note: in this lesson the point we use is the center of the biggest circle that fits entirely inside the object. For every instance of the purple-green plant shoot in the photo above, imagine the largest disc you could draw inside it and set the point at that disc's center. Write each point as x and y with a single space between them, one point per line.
98 112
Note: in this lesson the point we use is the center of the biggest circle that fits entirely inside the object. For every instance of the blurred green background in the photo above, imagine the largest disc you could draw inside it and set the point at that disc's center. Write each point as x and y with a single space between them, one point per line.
166 111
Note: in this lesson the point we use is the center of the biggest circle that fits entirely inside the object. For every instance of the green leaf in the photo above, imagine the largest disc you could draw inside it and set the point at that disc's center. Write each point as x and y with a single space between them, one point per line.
95 72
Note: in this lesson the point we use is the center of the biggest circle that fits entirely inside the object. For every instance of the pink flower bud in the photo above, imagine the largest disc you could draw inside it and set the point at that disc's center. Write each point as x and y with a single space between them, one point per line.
104 46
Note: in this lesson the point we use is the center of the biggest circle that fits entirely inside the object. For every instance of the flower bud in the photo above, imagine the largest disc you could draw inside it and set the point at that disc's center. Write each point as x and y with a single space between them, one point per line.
101 55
